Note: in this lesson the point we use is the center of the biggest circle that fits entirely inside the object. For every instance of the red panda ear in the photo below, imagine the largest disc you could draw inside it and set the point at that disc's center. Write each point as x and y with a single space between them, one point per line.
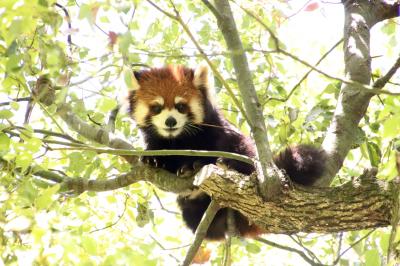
201 81
201 76
134 82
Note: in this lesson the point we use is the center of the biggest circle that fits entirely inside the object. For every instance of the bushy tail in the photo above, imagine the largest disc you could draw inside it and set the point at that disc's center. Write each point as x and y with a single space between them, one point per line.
304 164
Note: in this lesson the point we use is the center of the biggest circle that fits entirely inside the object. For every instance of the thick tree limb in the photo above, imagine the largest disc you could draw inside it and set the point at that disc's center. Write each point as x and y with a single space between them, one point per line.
363 203
353 101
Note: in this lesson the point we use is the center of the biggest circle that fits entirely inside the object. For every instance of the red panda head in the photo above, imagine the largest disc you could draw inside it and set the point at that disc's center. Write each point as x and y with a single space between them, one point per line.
169 100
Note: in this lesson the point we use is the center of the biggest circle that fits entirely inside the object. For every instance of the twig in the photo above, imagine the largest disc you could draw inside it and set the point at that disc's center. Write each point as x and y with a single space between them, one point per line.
259 20
116 221
49 133
69 38
24 99
201 153
309 252
201 231
290 249
306 75
352 245
381 82
163 248
161 204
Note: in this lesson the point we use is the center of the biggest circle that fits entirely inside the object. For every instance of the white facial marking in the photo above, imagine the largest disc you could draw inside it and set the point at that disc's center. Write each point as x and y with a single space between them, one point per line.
159 122
140 113
197 110
158 100
179 99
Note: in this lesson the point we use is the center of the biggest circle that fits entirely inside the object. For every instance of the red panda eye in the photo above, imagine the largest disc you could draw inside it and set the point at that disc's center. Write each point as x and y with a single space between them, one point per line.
181 107
156 109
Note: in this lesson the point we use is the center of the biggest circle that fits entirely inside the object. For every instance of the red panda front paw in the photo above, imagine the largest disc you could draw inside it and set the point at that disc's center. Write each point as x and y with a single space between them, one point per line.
222 163
187 170
151 160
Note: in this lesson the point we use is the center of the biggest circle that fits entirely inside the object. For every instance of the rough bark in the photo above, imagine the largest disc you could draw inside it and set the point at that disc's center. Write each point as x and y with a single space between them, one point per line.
353 100
363 203
269 181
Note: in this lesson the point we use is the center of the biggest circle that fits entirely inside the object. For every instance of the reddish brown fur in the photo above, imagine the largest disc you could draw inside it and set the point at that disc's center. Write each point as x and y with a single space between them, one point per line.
167 83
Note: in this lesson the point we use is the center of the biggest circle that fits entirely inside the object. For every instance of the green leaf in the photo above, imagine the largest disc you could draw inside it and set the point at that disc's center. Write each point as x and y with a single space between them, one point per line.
372 258
4 142
391 127
105 105
89 244
77 162
6 114
374 154
24 160
253 248
46 197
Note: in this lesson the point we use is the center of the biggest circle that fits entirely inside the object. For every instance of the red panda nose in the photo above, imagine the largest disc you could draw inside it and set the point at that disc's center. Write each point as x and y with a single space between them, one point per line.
170 122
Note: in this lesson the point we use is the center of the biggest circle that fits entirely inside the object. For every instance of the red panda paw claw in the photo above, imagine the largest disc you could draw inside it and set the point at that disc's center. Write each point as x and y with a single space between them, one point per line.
185 171
150 161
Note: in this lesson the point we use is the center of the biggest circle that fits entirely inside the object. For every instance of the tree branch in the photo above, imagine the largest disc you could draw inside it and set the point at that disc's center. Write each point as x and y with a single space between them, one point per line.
93 133
201 231
269 182
362 203
290 249
352 102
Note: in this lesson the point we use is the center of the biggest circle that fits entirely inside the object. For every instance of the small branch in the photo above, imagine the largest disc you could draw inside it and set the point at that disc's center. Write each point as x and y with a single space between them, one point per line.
24 99
382 10
352 245
227 261
48 133
381 82
290 249
201 231
134 152
69 38
116 221
94 133
307 74
162 205
306 250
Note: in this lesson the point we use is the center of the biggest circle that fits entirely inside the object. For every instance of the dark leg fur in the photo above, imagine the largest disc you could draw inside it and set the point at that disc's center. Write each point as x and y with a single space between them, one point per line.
304 164
193 210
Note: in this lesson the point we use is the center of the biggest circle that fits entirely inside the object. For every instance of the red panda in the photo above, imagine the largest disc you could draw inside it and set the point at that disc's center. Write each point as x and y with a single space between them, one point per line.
173 107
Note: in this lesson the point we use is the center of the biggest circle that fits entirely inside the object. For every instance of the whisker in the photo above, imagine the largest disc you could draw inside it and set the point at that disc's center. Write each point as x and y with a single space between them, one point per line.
215 126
